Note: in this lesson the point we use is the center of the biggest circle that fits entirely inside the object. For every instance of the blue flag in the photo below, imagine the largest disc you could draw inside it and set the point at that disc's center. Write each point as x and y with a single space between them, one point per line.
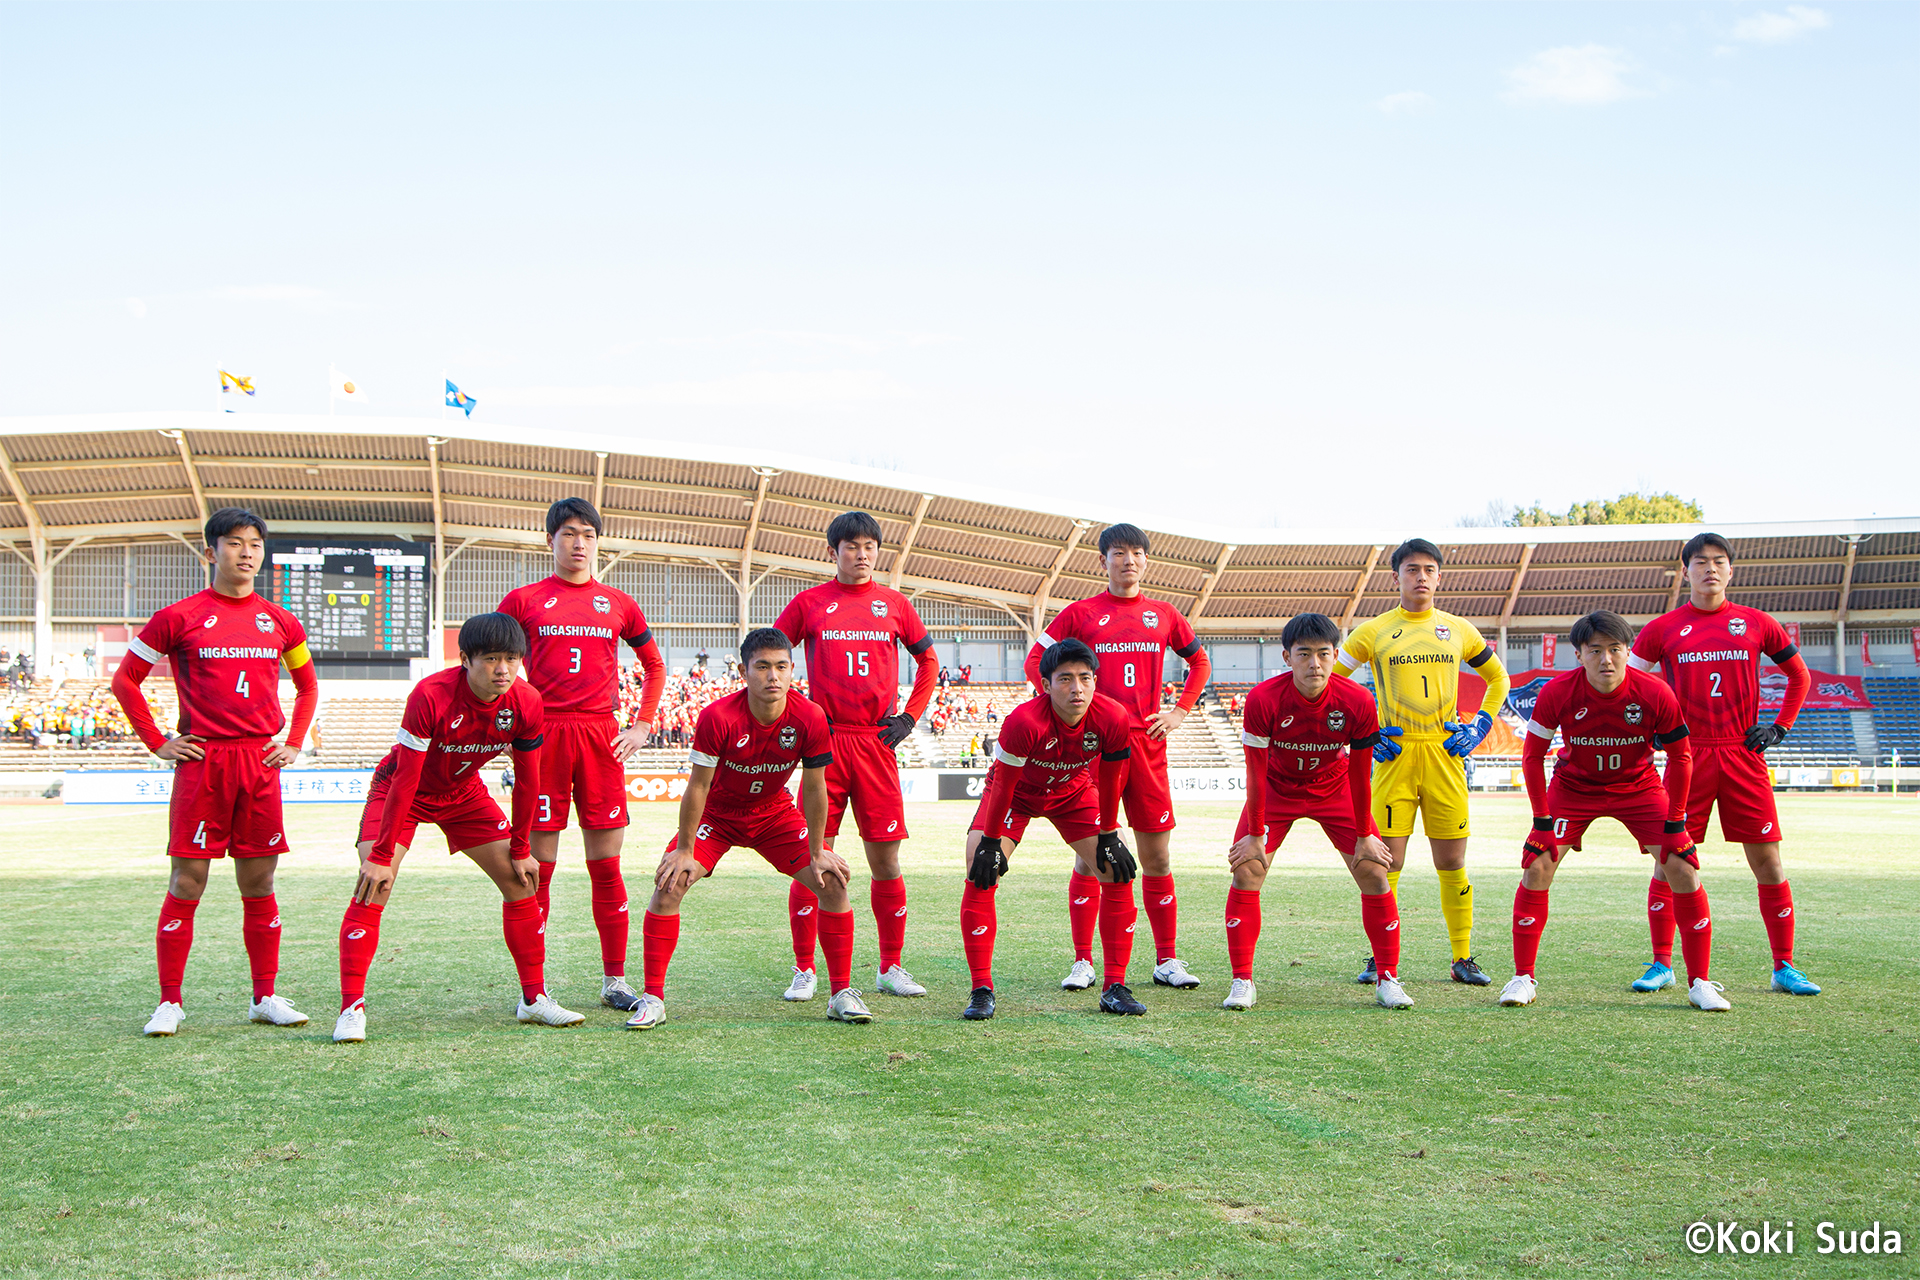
458 399
1522 696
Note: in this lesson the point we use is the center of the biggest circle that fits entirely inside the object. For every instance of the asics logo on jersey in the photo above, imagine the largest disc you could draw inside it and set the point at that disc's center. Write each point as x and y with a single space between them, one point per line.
1784 914
502 826
1581 714
804 911
1166 814
1050 742
1392 925
1396 633
274 840
455 722
1286 722
614 812
542 928
1233 922
1167 901
900 914
354 935
623 909
1103 618
170 926
209 622
1129 928
978 930
275 924
745 738
1687 630
1081 902
893 826
833 606
1768 827
552 601
1524 921
1656 906
1698 925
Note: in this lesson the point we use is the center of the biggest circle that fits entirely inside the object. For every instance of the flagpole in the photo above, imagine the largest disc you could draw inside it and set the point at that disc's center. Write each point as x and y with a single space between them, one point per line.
443 395
333 376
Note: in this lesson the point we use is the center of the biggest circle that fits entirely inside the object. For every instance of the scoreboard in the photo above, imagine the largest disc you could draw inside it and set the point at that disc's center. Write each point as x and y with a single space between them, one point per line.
359 599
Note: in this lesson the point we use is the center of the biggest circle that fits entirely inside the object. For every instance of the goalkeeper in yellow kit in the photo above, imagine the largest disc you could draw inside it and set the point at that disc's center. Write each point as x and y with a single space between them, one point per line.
1415 652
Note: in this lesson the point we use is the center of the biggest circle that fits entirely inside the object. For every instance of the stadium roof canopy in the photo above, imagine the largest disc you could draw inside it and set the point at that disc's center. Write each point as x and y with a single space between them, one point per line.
144 476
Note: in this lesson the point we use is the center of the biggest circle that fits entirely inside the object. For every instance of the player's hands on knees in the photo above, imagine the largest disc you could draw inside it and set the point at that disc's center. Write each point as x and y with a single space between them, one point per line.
1110 853
989 863
375 879
526 872
829 865
677 871
184 747
1373 849
1539 842
1676 842
1249 848
1389 745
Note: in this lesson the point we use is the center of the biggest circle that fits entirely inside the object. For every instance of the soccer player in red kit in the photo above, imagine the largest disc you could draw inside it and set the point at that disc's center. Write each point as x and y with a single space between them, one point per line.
1612 719
1130 633
457 721
574 628
1298 731
745 747
1044 767
1709 651
850 627
226 646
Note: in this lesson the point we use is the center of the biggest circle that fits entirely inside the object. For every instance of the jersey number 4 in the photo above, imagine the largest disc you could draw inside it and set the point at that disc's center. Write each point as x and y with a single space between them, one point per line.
242 688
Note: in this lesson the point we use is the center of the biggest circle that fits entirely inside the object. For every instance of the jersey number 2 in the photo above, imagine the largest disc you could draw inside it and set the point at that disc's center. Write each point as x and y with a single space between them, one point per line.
1715 677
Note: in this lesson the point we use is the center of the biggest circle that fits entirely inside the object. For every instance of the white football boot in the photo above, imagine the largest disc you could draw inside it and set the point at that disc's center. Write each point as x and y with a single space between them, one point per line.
351 1026
547 1013
278 1010
1520 989
1173 973
1239 994
1078 978
805 981
898 982
651 1013
616 994
1389 994
847 1006
166 1019
1706 996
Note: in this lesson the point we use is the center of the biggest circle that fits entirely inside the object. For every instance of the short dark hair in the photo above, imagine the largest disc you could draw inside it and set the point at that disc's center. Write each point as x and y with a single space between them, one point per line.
1601 624
1700 542
1062 652
573 509
492 633
227 519
1309 626
1416 547
849 525
1122 535
763 638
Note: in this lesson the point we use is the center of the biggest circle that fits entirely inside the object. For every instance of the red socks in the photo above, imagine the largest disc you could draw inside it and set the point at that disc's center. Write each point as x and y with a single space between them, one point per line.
171 942
526 928
1163 915
979 922
804 922
1243 929
836 940
260 930
1380 917
359 939
1660 920
659 935
1776 912
540 895
1083 909
889 899
1117 916
1529 922
609 913
1696 931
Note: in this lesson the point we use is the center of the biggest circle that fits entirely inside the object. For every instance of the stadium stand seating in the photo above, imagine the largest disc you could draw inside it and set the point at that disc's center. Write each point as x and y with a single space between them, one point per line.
1896 715
1824 737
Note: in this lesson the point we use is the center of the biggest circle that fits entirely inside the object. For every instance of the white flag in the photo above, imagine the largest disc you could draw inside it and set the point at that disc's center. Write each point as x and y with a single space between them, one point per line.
345 388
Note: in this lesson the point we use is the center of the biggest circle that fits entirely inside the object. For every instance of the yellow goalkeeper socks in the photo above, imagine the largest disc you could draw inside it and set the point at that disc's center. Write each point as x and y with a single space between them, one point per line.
1393 884
1456 905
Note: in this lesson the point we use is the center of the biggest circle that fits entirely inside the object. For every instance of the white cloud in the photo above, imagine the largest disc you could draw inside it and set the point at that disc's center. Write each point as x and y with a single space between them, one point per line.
750 390
1582 75
269 293
1780 28
137 308
1410 103
857 343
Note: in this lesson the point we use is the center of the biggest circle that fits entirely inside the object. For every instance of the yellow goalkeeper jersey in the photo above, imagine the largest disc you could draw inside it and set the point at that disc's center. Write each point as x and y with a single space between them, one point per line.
1416 660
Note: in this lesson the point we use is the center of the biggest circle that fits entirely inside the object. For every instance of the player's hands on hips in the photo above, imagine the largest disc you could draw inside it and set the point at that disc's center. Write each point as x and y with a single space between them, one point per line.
989 863
630 740
280 755
184 747
1248 848
375 879
1540 842
1165 721
1469 735
1762 736
894 729
1676 843
1373 849
829 865
1389 745
1110 853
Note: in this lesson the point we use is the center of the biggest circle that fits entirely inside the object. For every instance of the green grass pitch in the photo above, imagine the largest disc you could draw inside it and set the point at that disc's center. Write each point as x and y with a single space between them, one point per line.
1314 1136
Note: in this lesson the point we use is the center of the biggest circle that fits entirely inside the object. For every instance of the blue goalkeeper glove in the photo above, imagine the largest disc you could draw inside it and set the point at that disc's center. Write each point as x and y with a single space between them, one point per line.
1389 745
1468 736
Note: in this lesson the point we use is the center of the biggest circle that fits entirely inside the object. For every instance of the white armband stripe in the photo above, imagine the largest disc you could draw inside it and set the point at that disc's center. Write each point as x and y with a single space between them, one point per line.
406 739
1248 740
1046 642
704 760
1347 660
1001 754
1534 727
1639 663
143 650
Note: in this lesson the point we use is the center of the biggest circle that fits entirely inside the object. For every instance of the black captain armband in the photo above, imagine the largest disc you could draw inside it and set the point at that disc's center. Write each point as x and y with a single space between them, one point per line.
1367 743
920 646
1122 754
820 761
1780 658
1479 659
641 641
1671 735
1190 650
529 744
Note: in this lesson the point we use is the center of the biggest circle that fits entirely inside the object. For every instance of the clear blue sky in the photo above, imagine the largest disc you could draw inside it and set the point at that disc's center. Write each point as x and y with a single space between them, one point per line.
1288 264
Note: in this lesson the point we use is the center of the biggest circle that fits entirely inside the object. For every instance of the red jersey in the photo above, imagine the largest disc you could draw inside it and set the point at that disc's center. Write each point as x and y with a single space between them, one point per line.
1307 742
1712 660
226 653
1609 739
1130 637
853 668
1046 755
574 632
751 762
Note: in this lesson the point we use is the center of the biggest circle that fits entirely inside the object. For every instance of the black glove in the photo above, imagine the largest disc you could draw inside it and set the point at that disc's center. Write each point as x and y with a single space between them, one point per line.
1762 736
894 729
1110 852
989 864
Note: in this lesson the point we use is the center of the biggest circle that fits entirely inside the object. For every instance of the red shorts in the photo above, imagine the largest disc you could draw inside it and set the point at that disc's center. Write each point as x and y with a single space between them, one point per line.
1334 813
469 817
1742 782
227 802
1643 814
777 831
1144 790
864 776
1074 813
577 770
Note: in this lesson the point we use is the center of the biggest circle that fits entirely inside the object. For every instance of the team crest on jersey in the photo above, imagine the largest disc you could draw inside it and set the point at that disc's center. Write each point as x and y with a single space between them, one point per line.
1089 740
879 608
264 621
1634 713
1336 720
602 605
789 737
1443 633
503 721
1149 619
1736 626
